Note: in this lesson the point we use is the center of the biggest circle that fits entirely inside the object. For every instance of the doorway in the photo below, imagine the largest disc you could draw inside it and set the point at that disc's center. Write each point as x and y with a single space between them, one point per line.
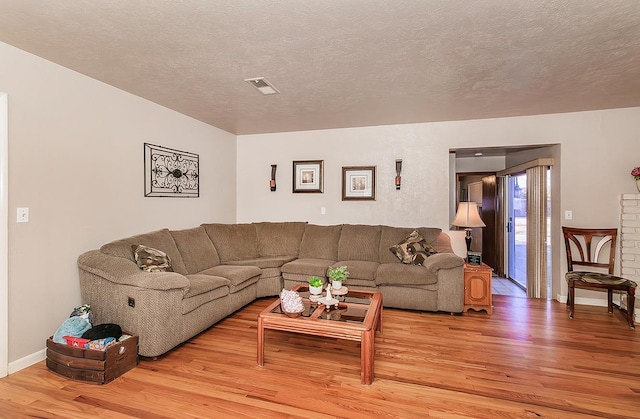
481 188
517 229
531 223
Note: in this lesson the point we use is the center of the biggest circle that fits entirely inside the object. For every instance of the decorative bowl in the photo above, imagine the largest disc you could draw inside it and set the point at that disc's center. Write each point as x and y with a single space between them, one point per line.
289 314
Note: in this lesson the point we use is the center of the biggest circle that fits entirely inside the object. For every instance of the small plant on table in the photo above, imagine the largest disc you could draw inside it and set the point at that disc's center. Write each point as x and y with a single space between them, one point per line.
315 285
337 275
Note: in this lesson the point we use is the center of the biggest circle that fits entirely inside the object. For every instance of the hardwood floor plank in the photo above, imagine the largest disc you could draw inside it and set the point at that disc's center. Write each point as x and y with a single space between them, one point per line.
526 360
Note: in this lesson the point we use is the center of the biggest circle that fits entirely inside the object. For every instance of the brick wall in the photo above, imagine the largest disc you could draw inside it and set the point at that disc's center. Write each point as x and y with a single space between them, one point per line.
630 238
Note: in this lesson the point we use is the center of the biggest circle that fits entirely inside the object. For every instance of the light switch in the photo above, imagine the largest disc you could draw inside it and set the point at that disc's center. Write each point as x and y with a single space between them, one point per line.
568 215
323 210
23 215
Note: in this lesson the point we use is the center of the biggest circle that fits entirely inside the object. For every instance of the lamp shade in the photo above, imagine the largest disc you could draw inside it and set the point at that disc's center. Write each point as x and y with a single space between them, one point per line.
468 216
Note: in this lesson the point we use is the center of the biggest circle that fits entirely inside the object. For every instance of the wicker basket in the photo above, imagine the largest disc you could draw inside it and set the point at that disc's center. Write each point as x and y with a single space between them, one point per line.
288 314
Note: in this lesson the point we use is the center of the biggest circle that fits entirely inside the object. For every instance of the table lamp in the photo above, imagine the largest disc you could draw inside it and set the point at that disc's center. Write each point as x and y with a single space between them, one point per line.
467 217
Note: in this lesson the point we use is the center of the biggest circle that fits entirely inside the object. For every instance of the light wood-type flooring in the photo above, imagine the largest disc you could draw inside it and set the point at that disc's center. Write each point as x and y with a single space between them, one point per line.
528 360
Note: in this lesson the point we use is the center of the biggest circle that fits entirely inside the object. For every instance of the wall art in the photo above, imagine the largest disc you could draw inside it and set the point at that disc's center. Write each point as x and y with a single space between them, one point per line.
170 173
359 183
308 176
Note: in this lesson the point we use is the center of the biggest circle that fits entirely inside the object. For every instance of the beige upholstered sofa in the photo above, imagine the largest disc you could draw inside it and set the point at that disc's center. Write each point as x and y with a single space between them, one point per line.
219 268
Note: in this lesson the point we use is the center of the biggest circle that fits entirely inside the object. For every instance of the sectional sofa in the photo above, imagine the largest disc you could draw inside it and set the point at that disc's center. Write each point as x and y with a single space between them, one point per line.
216 269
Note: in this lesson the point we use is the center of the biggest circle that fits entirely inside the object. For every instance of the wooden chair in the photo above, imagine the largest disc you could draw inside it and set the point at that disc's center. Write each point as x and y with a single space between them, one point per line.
585 247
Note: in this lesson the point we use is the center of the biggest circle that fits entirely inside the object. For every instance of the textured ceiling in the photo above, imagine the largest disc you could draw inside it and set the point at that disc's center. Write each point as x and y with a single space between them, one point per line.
344 63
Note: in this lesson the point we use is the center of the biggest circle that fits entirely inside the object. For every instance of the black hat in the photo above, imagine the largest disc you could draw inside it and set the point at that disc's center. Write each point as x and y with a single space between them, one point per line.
101 331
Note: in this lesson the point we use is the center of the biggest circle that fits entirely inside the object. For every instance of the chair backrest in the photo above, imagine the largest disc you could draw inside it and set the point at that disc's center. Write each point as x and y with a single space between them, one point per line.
585 247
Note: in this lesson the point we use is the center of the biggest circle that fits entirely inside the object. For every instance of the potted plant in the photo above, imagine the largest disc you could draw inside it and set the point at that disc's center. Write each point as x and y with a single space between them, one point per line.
337 275
315 285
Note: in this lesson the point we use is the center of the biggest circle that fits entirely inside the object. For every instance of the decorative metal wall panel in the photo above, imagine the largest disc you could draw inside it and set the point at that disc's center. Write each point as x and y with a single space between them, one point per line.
170 173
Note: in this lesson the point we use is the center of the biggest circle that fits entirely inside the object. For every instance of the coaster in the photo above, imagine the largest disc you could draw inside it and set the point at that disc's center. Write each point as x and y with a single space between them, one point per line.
342 291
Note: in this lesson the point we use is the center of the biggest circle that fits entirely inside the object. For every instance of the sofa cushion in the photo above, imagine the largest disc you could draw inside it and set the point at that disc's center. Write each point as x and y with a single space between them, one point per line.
320 242
233 241
161 240
270 273
239 277
204 288
264 262
201 283
413 249
196 249
359 242
436 238
307 267
276 239
359 269
400 274
150 259
391 236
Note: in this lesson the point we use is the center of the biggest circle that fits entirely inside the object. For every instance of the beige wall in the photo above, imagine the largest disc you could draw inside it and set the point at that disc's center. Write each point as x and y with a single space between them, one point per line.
480 164
76 160
593 163
425 173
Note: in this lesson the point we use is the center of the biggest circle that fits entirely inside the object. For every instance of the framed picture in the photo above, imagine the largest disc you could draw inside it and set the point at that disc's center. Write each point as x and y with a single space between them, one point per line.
308 176
359 183
170 173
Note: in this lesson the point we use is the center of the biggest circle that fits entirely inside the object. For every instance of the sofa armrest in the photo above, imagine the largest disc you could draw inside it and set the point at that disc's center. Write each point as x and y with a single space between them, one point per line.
451 289
443 261
126 272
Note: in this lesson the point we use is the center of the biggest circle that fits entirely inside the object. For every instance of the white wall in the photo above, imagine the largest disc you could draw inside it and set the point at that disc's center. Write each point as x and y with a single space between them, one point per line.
76 160
598 151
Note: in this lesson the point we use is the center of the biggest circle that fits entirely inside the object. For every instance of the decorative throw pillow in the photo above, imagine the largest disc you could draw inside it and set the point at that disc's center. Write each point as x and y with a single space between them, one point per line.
150 259
413 250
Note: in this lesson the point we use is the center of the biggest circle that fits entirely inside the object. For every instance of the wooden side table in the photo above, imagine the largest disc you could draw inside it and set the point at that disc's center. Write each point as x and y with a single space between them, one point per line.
477 288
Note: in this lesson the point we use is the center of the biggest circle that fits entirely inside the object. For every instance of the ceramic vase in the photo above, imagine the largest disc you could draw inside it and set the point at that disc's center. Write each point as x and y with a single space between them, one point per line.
336 285
638 184
315 290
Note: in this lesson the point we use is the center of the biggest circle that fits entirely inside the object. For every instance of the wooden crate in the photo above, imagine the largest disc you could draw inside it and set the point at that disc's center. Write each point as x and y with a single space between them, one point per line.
92 365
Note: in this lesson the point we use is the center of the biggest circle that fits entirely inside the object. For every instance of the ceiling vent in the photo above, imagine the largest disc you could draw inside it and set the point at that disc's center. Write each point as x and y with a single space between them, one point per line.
263 86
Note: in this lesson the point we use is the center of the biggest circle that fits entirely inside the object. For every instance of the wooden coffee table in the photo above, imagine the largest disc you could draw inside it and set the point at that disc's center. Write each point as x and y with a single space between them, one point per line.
357 318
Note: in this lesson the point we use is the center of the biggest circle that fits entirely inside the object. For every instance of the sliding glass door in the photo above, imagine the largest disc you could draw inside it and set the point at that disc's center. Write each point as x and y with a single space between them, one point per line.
517 229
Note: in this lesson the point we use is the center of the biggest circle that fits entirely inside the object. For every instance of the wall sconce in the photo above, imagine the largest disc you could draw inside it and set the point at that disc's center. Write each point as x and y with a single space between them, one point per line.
398 171
272 182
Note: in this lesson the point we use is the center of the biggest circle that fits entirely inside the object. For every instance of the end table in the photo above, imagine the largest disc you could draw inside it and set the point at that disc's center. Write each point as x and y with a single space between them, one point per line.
477 288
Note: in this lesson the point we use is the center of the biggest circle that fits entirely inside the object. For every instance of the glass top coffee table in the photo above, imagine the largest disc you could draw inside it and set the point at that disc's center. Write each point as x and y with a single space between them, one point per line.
357 317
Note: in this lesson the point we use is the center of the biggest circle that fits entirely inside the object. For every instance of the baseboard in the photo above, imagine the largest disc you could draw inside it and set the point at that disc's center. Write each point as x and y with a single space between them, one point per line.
584 301
27 361
600 302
